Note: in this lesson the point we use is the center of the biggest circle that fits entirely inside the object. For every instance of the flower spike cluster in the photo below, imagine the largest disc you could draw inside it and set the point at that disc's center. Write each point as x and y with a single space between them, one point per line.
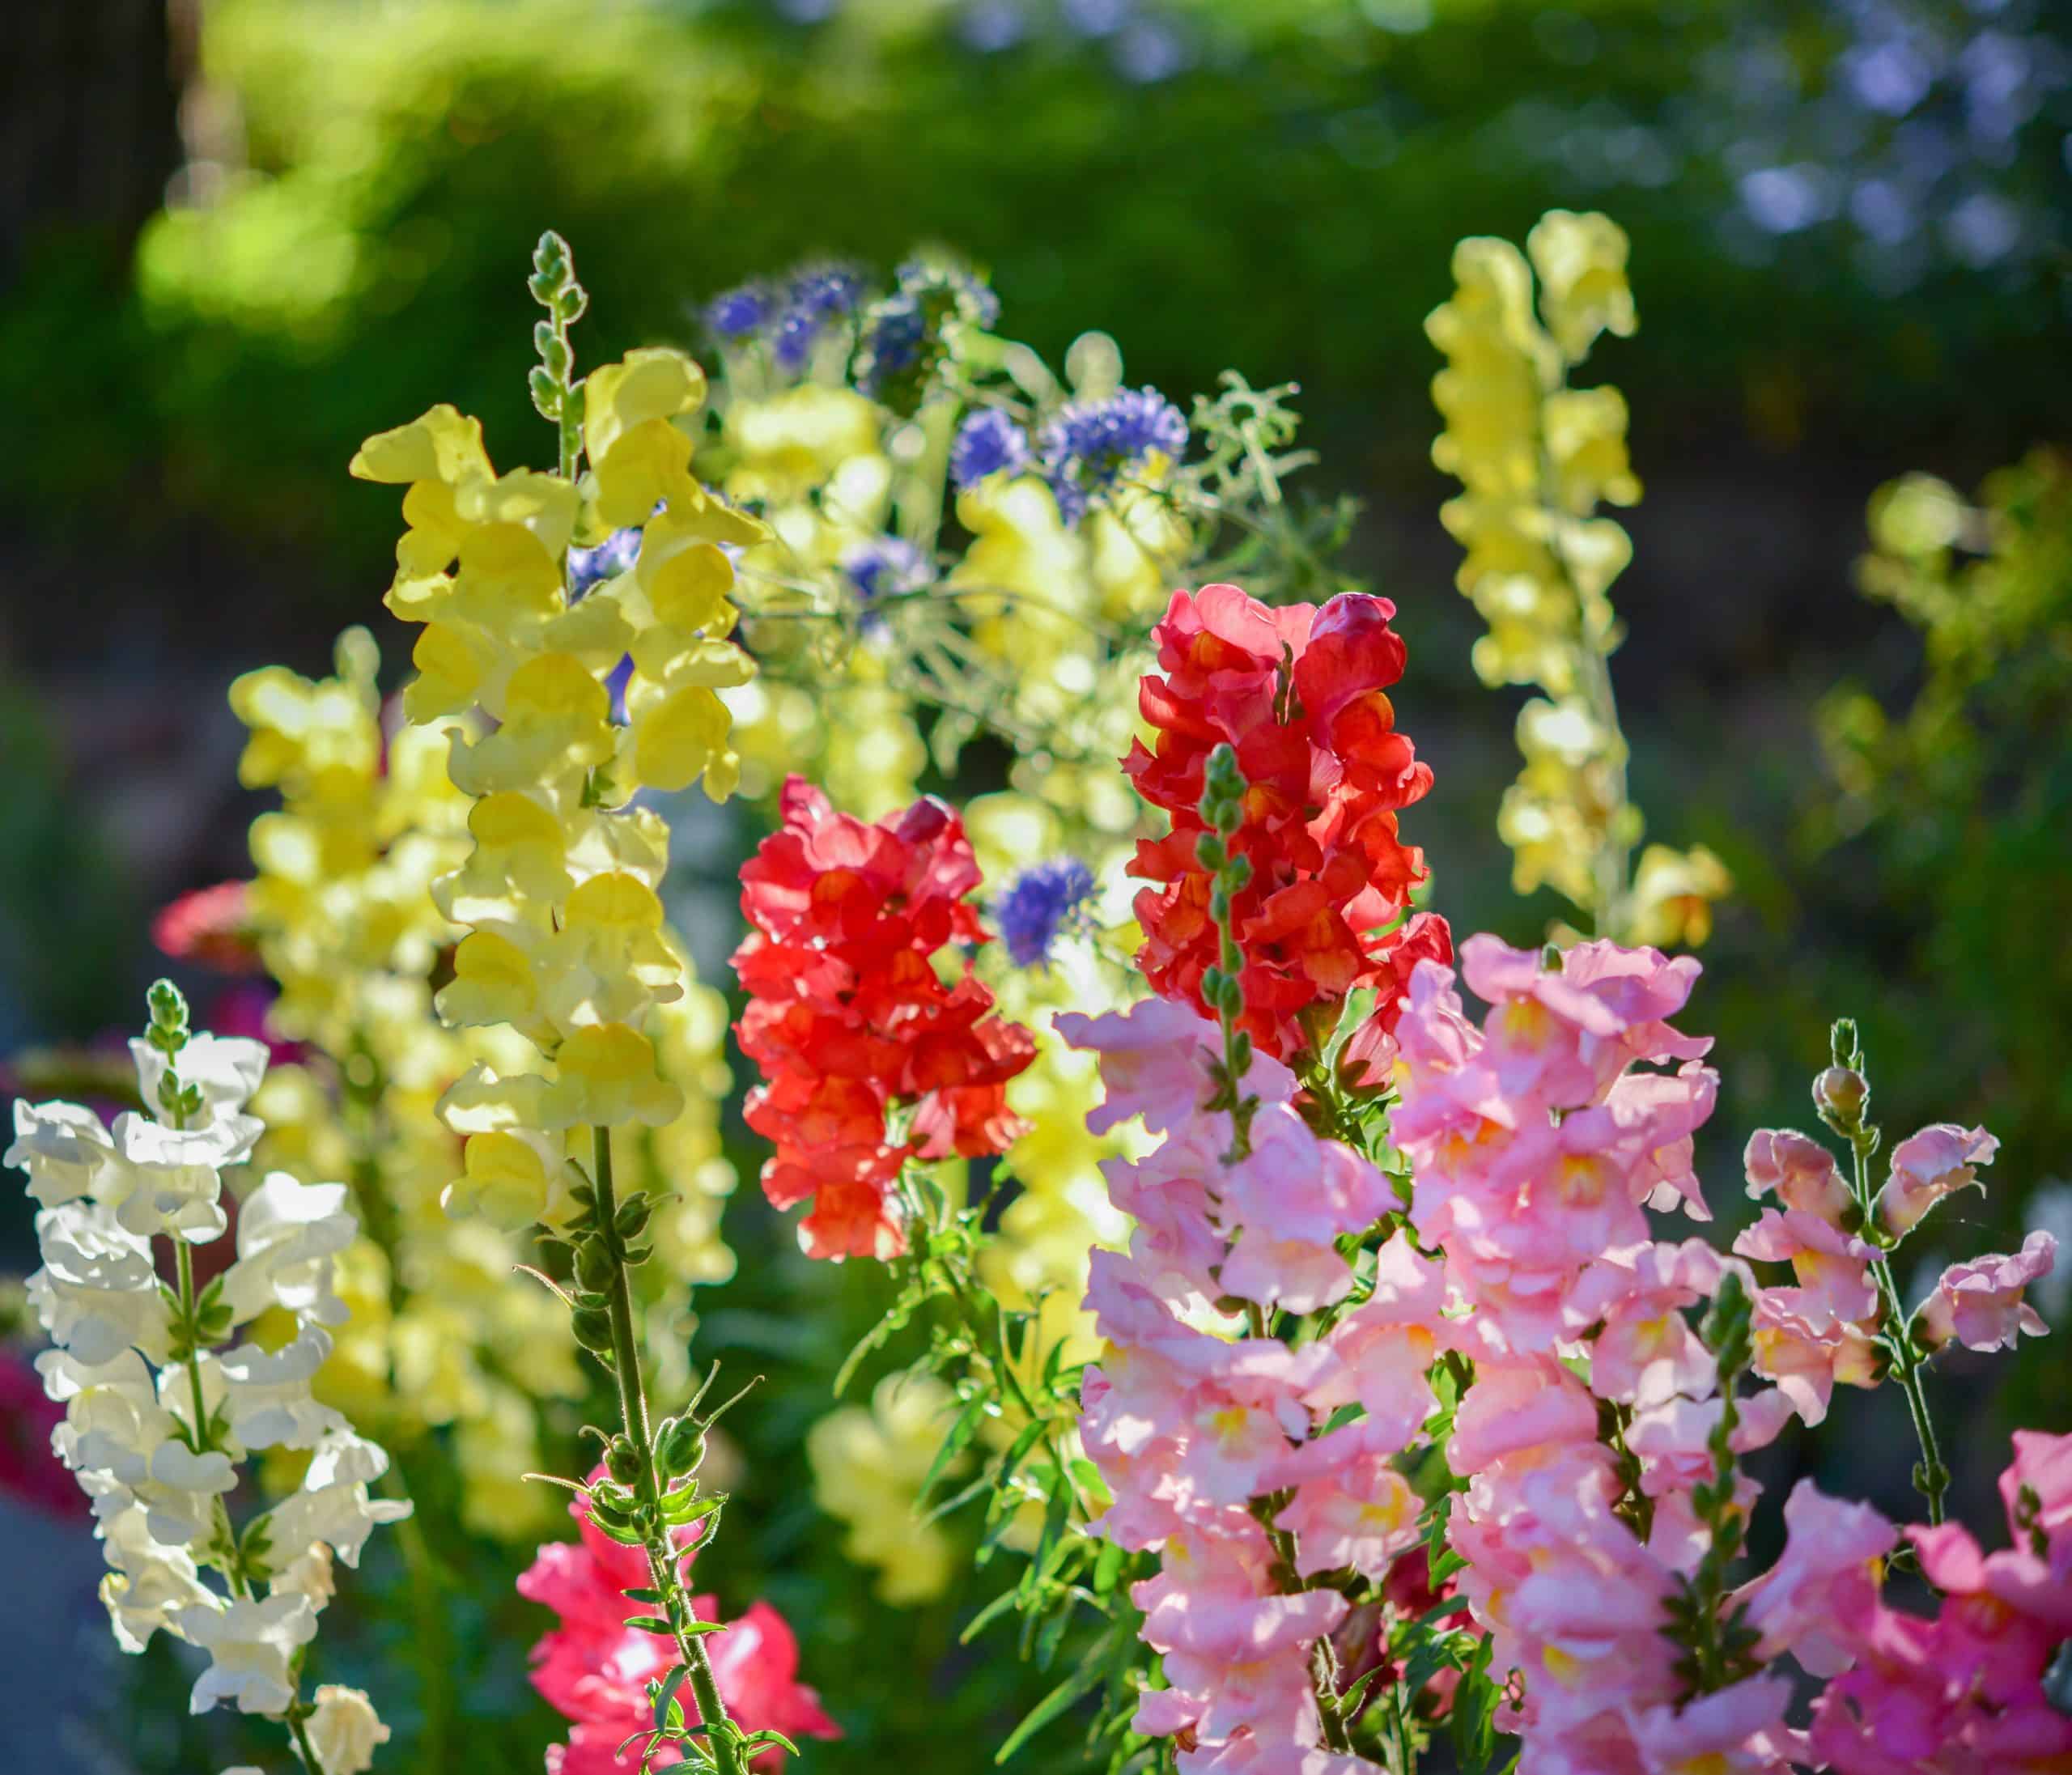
851 1023
1980 1686
167 1389
1214 1438
1536 458
1299 694
565 940
1537 1146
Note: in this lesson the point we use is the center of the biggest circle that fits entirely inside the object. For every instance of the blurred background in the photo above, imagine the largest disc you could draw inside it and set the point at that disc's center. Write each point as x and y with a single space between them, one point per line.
238 235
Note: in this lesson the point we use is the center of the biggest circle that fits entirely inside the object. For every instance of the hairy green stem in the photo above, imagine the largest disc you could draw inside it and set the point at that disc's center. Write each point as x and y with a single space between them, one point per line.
1932 1478
633 1411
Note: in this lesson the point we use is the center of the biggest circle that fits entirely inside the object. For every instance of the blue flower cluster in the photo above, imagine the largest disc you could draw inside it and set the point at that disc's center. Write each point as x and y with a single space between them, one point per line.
988 442
614 555
882 566
790 317
1086 447
1041 904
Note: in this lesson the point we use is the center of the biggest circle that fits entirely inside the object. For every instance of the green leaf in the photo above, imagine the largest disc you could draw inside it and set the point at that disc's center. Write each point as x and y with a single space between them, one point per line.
1084 1675
952 1445
956 1500
665 1696
986 1616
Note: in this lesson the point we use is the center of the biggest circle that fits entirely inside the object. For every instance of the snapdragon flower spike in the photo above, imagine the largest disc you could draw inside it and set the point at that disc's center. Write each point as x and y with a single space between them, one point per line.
851 1023
1965 1691
1536 1148
1299 694
1211 1437
165 1392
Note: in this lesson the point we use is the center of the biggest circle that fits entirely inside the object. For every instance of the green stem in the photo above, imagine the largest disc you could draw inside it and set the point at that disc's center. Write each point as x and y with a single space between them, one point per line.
303 1748
1931 1478
633 1411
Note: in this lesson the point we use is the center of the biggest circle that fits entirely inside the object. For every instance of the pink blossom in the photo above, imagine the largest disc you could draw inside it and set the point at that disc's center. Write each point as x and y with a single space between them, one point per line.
2036 1488
1154 1063
1522 1406
1808 1352
1351 1508
1739 1730
1927 1166
1833 1268
1980 1304
1647 1351
1665 1109
1801 1172
1813 1601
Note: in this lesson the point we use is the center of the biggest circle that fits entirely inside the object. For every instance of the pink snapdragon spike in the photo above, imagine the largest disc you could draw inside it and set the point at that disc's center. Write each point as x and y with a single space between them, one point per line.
1193 1418
594 1669
1963 1694
1536 1150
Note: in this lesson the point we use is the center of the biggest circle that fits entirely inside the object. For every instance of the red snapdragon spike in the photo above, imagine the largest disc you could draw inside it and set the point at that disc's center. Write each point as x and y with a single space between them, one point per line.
849 1019
1299 694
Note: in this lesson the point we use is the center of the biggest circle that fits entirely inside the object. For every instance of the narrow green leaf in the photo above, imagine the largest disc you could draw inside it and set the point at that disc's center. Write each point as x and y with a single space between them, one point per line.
953 1445
1084 1675
665 1696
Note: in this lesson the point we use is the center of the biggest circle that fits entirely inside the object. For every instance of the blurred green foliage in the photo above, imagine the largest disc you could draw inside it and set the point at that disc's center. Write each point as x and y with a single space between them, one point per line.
1285 204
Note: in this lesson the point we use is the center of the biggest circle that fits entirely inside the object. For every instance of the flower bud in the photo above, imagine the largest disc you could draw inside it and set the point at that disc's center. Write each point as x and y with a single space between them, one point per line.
1841 1093
592 1326
681 1446
622 1461
593 1264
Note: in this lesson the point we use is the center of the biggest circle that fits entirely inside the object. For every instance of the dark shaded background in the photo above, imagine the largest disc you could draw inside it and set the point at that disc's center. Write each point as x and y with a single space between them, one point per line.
237 238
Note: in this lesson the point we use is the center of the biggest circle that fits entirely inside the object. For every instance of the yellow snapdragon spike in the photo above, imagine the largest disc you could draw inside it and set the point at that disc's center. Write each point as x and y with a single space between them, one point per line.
1536 458
348 927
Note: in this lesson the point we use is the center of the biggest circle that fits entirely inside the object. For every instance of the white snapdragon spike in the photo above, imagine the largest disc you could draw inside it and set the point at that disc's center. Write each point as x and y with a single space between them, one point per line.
163 1400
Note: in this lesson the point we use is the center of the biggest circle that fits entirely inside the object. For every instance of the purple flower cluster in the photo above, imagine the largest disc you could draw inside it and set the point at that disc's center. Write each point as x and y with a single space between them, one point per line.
1089 445
790 317
988 442
883 566
1040 905
614 555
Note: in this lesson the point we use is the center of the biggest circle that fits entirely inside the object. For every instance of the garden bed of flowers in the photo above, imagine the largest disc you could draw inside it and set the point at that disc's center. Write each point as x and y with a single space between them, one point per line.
1312 1305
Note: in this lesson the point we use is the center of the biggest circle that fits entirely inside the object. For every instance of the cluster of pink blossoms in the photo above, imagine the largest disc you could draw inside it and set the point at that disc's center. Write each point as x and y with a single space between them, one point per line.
1537 1146
594 1669
1212 1441
1963 1692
